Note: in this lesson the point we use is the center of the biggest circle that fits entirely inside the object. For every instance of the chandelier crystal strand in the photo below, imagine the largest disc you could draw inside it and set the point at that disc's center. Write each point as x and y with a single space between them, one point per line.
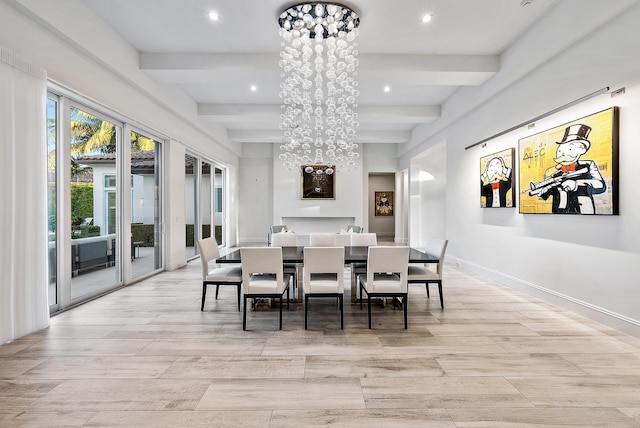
319 91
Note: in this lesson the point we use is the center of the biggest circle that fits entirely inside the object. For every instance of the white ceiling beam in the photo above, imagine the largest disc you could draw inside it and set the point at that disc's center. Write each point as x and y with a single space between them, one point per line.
367 113
383 63
275 136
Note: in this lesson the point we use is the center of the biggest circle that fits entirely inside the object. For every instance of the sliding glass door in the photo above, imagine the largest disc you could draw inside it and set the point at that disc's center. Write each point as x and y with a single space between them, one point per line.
52 194
146 225
94 147
205 200
104 202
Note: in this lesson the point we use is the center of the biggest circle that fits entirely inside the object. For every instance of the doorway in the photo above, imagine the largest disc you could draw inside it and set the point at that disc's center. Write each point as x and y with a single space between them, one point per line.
381 205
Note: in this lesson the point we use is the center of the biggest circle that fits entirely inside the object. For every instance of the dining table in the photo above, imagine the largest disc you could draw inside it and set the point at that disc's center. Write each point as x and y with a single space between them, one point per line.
352 256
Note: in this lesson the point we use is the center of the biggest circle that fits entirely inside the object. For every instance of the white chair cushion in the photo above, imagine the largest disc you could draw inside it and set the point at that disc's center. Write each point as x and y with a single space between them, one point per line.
264 284
323 283
384 283
227 273
421 272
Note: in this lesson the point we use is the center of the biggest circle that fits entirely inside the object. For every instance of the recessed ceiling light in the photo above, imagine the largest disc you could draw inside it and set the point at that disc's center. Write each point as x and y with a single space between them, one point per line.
387 89
426 18
214 16
254 88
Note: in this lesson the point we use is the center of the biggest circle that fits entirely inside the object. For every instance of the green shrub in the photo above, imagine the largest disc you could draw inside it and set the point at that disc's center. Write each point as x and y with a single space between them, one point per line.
81 202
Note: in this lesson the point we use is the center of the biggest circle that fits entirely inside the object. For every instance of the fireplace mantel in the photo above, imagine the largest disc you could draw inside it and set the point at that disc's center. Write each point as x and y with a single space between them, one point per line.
306 225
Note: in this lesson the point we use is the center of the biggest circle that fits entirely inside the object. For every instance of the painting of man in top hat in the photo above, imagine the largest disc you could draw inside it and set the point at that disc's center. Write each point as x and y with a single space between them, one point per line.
578 175
496 180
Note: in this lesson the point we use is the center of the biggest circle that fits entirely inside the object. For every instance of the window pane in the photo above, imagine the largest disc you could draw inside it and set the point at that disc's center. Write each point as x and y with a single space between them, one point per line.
52 129
190 193
94 203
206 200
145 205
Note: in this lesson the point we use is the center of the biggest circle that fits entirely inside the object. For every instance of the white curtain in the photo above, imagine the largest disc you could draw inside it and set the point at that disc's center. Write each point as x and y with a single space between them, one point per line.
24 306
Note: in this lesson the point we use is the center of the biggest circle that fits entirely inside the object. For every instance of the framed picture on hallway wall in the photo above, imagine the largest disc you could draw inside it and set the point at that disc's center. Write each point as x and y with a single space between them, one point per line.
318 181
383 204
572 168
496 180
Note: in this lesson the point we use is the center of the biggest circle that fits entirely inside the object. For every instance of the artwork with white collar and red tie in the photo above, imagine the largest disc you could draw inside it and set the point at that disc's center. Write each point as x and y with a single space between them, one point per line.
572 168
496 180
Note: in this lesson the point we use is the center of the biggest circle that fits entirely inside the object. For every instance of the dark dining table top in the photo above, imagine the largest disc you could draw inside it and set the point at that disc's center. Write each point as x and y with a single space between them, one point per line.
351 255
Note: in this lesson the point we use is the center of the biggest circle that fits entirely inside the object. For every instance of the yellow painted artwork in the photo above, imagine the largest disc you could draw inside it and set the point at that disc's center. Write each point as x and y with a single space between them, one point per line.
383 203
572 168
496 180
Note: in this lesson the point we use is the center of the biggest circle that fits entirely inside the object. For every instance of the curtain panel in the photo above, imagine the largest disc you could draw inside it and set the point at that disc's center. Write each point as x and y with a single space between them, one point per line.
24 304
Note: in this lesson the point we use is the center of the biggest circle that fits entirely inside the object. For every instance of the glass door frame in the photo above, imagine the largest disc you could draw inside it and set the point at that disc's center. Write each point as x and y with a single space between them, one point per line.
198 181
65 100
125 222
64 220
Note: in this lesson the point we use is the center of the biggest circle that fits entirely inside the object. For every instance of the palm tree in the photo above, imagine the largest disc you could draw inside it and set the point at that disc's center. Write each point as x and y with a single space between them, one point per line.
90 134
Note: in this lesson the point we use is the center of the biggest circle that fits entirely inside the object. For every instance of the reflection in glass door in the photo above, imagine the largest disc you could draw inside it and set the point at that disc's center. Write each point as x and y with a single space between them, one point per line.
190 192
94 203
52 217
218 205
146 233
206 200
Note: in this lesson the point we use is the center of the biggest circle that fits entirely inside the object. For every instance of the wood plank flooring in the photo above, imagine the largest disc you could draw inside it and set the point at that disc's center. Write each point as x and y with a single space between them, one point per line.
146 356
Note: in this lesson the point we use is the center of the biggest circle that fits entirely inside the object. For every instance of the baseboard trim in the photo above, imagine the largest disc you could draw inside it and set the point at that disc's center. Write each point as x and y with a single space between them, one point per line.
604 316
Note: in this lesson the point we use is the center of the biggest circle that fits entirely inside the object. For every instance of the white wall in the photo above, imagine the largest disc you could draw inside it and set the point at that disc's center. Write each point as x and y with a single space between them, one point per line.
288 202
428 195
255 192
587 263
267 193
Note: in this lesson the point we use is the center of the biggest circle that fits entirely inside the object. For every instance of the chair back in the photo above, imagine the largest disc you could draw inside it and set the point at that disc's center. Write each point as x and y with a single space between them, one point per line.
262 260
322 239
392 262
278 228
320 260
208 248
437 247
364 239
283 239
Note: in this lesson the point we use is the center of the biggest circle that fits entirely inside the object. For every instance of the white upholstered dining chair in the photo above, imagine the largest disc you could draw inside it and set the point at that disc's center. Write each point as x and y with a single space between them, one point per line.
361 240
323 276
319 239
213 274
263 277
423 274
386 276
287 239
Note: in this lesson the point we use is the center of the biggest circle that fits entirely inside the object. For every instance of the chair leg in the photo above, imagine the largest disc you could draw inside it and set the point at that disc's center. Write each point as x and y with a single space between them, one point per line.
341 313
441 296
204 294
280 318
426 284
244 314
405 305
306 304
369 309
217 288
239 298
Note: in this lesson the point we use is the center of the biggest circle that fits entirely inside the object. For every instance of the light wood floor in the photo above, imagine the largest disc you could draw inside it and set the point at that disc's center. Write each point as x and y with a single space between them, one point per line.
147 356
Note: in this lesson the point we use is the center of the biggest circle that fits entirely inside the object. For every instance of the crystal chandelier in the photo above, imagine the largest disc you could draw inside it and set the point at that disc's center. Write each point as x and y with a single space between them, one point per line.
319 89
